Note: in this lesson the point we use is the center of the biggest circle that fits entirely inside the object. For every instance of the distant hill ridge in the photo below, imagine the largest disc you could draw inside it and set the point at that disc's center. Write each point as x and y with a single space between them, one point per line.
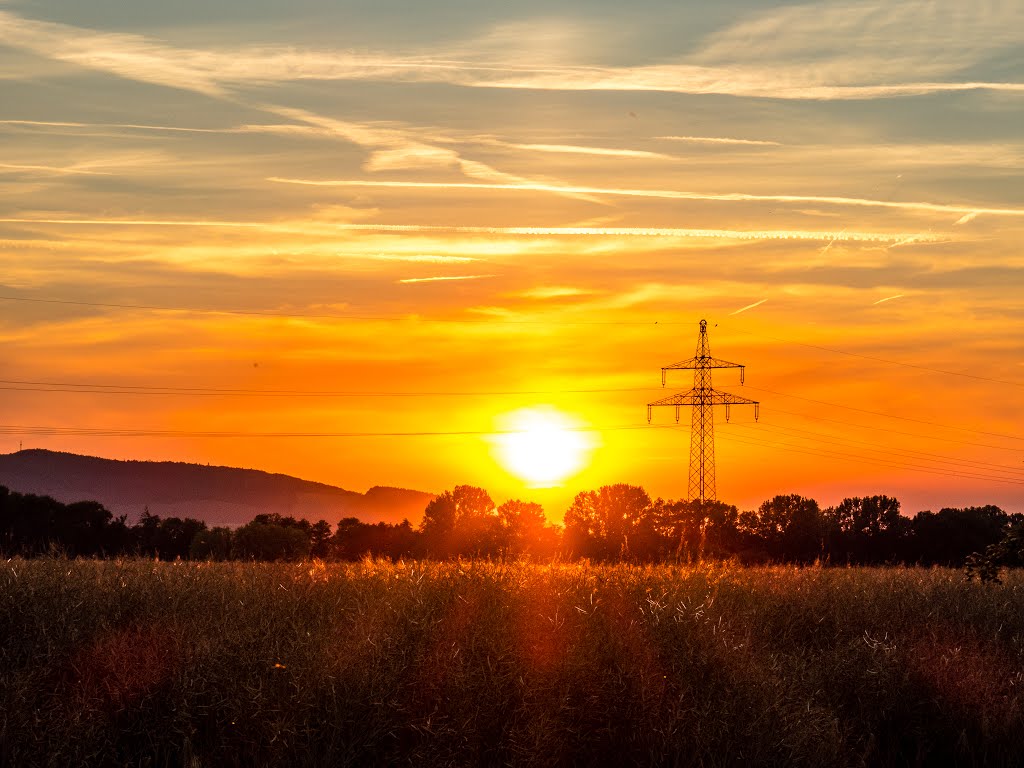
218 495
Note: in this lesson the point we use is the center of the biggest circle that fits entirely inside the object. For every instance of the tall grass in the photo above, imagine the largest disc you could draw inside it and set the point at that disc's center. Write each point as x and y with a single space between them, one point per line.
472 663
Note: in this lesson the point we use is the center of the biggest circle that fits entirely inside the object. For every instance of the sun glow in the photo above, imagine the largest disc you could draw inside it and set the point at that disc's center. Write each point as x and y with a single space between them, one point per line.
541 445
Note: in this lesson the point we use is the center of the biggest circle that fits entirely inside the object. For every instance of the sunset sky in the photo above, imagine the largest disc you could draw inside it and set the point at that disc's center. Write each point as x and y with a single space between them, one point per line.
435 222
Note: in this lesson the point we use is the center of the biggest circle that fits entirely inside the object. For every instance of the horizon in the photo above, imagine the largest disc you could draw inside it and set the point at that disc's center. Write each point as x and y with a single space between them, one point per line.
371 245
498 501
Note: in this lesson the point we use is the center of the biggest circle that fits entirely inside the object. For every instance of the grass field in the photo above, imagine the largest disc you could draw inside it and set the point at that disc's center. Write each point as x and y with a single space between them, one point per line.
143 663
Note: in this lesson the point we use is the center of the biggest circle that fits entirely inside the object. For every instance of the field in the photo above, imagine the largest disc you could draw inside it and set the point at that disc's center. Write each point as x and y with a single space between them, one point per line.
138 662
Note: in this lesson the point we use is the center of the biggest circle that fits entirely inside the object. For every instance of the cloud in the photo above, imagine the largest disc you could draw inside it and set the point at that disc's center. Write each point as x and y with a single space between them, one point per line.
867 41
419 258
749 306
572 149
785 53
887 298
133 56
397 149
442 278
664 194
50 169
966 218
718 140
319 227
213 72
546 292
754 83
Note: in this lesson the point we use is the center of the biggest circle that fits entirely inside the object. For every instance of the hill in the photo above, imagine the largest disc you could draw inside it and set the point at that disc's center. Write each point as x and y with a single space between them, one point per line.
218 495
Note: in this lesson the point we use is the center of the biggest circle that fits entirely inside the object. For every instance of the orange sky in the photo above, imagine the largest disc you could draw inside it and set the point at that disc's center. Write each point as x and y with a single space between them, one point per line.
419 225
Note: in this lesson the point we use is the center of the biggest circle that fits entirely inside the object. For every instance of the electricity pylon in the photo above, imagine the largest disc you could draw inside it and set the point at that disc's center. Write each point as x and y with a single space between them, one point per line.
702 398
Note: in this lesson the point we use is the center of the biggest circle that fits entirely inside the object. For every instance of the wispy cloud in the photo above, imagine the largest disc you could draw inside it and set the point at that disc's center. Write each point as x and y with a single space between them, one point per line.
867 41
299 227
719 140
397 149
212 72
966 218
887 298
132 126
753 58
444 278
572 149
419 258
546 292
664 194
50 169
749 306
753 83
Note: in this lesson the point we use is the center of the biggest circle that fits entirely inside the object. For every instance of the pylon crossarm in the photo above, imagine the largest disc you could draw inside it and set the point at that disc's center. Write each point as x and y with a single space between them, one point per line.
701 362
695 363
706 397
727 398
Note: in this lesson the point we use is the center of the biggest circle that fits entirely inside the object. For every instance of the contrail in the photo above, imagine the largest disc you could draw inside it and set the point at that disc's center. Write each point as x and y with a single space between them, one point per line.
439 279
888 298
51 169
306 228
718 140
749 306
662 194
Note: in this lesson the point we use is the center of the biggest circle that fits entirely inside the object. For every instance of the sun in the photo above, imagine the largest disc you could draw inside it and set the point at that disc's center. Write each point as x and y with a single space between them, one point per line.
541 445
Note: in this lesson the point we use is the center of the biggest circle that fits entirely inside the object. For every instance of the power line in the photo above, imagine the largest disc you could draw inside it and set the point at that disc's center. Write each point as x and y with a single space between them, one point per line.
894 431
14 429
879 359
486 321
20 385
907 452
827 453
927 454
890 415
17 385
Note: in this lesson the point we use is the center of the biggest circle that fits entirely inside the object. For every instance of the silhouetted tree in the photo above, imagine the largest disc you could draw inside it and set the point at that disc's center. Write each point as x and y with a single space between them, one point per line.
1008 552
695 529
354 539
865 530
165 538
525 530
270 541
320 539
212 544
286 521
32 525
80 527
612 522
948 536
789 527
461 521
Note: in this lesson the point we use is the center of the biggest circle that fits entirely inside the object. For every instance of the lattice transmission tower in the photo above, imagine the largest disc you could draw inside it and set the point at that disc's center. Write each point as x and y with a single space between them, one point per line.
702 399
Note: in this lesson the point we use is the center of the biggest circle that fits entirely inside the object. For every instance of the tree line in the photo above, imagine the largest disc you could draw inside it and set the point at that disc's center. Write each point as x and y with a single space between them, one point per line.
612 523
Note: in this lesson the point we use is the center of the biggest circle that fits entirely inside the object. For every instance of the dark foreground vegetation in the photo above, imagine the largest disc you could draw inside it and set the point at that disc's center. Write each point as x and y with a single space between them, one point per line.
141 662
614 523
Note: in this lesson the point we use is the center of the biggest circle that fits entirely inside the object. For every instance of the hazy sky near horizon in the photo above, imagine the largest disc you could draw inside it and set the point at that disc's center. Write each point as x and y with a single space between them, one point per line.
452 211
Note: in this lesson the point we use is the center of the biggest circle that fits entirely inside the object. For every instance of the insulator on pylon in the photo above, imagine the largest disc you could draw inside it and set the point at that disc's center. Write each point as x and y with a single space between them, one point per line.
743 369
726 411
757 411
663 377
677 414
648 414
